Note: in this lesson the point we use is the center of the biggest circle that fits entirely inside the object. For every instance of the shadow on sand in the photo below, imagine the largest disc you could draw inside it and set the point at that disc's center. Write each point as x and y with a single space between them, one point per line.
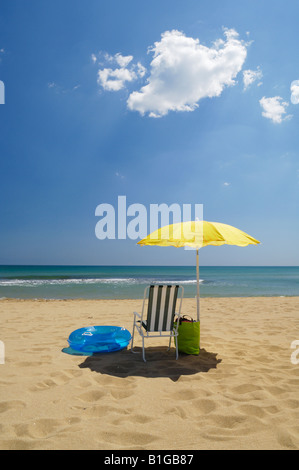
160 363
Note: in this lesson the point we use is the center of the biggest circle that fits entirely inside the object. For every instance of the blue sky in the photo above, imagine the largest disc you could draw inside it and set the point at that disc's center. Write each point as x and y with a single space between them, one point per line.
192 102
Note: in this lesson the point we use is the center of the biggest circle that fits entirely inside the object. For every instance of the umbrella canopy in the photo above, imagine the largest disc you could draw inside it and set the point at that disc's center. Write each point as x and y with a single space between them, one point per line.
197 234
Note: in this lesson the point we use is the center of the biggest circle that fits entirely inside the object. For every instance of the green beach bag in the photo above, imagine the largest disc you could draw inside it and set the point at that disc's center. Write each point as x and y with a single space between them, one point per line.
188 337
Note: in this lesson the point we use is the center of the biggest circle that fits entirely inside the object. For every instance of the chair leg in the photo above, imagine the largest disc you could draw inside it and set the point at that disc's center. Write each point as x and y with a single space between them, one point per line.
132 341
143 351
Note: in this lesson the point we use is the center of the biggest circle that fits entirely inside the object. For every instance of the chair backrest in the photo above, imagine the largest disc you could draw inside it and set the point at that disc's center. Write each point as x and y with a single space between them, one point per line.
161 307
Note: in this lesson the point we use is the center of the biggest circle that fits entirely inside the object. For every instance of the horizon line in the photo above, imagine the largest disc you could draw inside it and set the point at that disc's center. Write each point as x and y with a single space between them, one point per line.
148 265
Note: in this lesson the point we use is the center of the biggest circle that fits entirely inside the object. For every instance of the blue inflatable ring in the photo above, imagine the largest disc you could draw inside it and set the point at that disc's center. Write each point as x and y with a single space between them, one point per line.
99 339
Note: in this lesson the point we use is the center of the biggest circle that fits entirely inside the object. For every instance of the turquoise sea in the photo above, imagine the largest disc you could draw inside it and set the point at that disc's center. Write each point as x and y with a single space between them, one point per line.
129 282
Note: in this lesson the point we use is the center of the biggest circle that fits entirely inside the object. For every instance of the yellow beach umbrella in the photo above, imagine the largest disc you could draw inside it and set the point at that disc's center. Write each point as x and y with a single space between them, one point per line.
197 234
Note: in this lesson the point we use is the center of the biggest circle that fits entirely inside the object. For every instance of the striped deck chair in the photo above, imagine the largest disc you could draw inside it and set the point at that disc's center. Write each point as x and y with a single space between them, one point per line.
159 321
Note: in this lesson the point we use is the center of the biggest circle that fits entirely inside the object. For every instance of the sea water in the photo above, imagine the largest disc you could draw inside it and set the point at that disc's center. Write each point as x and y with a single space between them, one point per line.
129 282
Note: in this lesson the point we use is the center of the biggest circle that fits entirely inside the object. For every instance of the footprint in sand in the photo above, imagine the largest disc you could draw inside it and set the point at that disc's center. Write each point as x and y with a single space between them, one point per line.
186 394
127 438
11 405
292 404
96 395
30 364
100 411
228 422
93 396
252 410
120 394
204 406
246 388
55 379
276 391
21 444
45 385
285 439
212 434
132 418
63 377
116 382
44 428
177 411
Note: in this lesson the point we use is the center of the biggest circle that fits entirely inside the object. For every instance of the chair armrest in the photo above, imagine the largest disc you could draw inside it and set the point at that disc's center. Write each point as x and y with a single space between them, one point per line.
135 313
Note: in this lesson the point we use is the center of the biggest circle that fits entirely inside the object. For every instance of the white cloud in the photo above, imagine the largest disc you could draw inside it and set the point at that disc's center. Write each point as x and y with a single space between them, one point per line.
183 72
116 79
59 89
274 109
295 92
250 76
141 71
226 184
123 61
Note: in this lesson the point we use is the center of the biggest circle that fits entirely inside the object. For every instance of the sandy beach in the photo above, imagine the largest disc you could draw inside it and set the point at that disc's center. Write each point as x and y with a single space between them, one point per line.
241 392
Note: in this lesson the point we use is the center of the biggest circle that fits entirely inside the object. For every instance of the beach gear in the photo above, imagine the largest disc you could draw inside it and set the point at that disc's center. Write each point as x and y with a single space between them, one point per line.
196 235
99 339
188 335
160 313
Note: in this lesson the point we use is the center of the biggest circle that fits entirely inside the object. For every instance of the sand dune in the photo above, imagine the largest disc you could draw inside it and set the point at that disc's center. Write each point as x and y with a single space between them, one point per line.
241 392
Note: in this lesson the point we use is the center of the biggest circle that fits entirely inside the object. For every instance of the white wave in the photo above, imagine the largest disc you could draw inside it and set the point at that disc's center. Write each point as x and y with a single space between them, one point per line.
120 280
63 282
83 281
190 281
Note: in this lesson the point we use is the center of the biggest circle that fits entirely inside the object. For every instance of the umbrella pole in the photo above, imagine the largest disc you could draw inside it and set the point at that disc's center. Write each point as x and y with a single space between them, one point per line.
197 275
